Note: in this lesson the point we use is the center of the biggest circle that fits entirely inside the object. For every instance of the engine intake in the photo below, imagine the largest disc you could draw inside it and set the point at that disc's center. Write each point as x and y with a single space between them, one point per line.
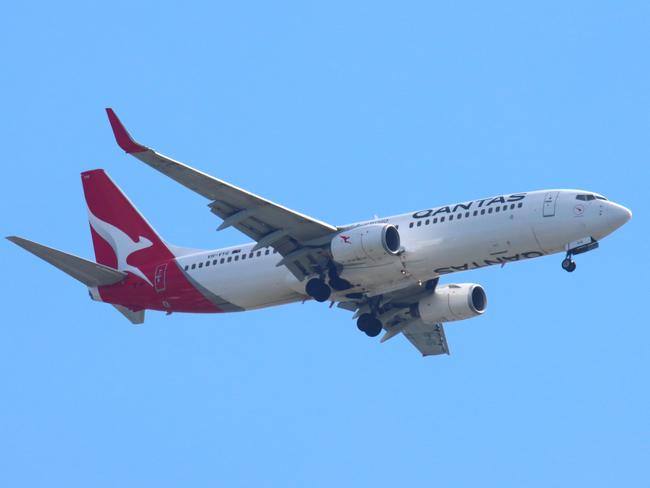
451 302
368 243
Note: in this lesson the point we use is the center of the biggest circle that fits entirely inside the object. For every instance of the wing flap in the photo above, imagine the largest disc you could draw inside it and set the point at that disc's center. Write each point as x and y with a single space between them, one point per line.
430 340
88 272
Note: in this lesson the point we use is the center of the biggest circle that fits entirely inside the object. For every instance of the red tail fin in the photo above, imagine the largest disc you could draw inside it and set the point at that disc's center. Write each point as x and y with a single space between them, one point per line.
122 238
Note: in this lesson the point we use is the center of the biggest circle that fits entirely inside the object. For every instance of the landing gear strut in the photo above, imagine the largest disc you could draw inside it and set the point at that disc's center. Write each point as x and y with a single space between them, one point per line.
369 324
568 264
318 290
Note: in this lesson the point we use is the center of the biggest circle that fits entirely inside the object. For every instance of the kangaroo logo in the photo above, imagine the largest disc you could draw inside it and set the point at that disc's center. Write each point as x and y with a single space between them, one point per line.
346 239
123 246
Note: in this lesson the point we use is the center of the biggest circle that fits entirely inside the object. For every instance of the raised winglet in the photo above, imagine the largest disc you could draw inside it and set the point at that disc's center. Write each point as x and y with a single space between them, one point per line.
123 138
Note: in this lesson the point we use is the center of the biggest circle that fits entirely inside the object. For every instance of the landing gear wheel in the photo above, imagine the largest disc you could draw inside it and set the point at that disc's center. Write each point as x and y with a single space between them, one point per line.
318 290
374 327
364 321
569 265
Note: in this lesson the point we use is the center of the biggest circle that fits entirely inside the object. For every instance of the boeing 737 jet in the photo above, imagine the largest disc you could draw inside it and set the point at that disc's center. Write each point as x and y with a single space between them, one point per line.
385 271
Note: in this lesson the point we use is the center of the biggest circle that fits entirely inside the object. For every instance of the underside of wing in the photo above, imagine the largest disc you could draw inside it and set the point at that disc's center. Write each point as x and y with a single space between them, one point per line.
300 239
395 310
428 339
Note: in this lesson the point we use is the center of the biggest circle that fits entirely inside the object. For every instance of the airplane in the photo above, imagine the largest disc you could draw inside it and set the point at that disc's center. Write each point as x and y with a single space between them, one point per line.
386 271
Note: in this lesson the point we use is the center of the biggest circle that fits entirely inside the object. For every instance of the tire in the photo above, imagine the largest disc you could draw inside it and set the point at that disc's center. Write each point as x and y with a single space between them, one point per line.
374 327
363 321
318 290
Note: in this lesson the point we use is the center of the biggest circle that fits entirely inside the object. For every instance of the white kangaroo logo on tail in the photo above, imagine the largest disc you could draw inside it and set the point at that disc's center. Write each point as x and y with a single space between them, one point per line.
122 244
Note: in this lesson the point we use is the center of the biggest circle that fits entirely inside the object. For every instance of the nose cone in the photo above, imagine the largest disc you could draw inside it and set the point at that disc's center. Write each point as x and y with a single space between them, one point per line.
618 215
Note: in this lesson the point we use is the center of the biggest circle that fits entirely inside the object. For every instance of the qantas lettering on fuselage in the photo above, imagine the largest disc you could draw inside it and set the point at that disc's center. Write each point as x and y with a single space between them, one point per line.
485 202
489 262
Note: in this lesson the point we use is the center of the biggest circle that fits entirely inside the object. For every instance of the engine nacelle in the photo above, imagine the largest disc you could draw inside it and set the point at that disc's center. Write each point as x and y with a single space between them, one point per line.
372 243
452 302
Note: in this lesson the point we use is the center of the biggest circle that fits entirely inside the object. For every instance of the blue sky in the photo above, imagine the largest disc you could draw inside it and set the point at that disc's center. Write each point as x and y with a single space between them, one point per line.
340 110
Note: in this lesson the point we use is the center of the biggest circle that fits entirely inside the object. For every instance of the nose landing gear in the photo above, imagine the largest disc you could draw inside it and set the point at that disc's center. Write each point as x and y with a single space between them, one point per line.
577 247
568 264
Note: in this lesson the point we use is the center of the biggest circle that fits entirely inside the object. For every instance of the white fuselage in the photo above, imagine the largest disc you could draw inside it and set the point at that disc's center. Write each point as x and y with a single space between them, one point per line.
436 241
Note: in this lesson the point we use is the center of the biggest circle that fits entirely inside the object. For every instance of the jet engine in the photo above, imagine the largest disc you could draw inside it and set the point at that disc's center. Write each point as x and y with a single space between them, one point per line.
372 243
451 302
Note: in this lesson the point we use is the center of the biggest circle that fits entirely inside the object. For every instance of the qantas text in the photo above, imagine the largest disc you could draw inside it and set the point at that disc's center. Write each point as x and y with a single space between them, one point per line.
502 260
515 197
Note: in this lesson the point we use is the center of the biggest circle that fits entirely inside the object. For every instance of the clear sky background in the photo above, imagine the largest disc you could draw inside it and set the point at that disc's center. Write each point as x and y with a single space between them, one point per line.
340 110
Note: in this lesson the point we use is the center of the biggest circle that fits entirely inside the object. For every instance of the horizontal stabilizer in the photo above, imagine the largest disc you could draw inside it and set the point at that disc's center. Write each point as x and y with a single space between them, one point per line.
88 272
136 318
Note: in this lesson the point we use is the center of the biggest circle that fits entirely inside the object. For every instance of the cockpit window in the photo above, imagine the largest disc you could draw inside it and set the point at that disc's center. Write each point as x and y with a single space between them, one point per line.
585 198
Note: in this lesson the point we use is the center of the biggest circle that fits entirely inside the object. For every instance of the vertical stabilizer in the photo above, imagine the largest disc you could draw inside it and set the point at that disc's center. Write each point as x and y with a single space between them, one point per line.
122 238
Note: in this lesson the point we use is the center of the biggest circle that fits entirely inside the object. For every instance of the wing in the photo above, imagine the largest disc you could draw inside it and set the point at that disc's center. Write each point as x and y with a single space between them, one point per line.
301 240
430 340
394 311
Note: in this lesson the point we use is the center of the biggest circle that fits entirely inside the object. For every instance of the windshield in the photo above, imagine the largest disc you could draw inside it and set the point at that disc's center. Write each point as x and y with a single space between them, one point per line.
587 197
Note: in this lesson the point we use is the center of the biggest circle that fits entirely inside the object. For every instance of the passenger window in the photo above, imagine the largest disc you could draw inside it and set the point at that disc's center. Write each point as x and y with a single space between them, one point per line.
229 258
237 257
267 252
186 267
490 210
200 265
466 214
459 216
243 256
250 256
482 211
207 263
505 207
498 209
222 261
214 263
442 219
426 222
194 266
259 253
435 221
519 205
475 213
419 223
411 225
512 207
451 217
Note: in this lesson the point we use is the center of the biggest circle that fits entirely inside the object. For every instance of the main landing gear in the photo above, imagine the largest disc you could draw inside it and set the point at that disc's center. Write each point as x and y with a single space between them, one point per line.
318 289
369 324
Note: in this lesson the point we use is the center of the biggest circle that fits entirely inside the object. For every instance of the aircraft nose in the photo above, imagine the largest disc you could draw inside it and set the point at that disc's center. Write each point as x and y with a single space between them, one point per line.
619 215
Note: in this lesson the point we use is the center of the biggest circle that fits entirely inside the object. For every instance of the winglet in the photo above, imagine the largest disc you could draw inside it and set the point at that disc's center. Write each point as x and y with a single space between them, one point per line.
123 138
